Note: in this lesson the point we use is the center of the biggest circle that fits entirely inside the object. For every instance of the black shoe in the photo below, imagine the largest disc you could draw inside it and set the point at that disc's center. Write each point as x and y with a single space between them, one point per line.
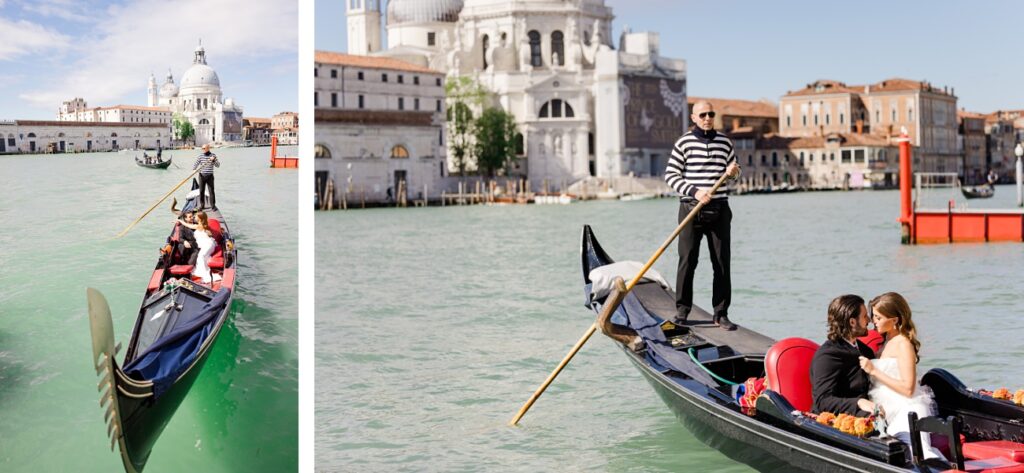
724 323
215 209
680 318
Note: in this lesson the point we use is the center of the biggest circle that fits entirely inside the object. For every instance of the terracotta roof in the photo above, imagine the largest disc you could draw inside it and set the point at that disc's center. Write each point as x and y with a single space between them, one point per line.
825 86
742 108
283 114
102 124
773 141
257 120
966 114
897 83
370 62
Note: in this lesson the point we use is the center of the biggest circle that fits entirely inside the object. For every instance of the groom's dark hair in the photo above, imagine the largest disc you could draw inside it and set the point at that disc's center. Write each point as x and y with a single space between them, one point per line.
840 311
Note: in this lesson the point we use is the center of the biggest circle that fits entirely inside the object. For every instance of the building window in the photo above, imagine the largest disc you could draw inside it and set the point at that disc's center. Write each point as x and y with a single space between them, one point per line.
383 77
334 73
438 108
841 116
805 119
437 82
557 47
321 151
399 152
894 114
750 160
831 157
764 160
815 119
828 118
416 104
878 116
556 108
775 159
535 59
316 99
486 43
858 156
846 155
361 101
519 145
334 99
401 103
401 79
789 121
415 80
359 75
430 38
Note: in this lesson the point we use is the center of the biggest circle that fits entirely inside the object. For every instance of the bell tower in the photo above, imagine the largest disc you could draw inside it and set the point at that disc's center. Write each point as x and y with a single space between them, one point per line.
151 91
364 35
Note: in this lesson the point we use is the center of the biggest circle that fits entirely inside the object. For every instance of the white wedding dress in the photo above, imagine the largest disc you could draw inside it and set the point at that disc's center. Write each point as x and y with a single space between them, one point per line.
206 248
897 406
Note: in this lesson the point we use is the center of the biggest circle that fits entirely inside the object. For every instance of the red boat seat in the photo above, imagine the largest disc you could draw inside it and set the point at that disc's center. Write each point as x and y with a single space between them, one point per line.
217 260
788 369
1013 451
873 340
218 235
993 465
181 269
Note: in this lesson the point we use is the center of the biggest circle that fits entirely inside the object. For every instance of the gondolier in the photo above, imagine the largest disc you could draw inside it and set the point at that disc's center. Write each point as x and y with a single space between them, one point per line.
205 163
698 160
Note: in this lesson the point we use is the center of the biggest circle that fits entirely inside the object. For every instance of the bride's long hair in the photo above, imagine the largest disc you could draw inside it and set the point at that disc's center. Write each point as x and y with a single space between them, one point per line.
891 305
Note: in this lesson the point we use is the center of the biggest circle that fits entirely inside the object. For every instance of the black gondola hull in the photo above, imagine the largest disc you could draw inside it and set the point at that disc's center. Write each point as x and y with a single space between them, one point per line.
159 165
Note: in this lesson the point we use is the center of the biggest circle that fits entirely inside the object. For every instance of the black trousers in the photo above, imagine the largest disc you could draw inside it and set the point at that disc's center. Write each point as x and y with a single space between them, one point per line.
206 181
713 221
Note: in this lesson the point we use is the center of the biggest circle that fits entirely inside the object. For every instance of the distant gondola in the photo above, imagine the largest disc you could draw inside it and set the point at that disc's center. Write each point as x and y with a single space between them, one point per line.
694 369
978 192
156 165
177 325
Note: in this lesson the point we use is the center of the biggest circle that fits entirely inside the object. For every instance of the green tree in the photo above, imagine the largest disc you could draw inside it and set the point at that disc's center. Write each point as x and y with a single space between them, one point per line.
462 94
494 140
183 130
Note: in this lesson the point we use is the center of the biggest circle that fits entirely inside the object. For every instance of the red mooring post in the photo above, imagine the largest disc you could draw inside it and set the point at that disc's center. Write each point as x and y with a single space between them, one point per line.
273 149
905 219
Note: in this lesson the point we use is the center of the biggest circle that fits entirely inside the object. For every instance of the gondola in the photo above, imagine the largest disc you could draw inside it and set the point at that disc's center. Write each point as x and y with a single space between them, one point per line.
157 165
978 192
692 367
177 325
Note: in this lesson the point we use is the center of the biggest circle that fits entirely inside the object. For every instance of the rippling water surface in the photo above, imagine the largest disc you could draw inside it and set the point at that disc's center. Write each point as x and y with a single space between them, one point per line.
434 325
59 215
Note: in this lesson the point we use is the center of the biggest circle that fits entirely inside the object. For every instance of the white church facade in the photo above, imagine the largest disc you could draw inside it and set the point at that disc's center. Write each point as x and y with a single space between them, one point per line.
198 98
583 106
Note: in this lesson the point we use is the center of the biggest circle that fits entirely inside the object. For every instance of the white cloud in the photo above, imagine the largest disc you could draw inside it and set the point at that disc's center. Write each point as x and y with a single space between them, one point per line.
70 10
119 53
22 37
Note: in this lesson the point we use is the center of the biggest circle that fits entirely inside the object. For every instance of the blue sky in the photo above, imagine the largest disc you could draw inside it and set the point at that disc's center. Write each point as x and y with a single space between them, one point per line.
104 51
760 49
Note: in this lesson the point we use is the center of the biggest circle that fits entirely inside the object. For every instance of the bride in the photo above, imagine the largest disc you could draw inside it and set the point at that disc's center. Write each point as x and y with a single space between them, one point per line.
893 374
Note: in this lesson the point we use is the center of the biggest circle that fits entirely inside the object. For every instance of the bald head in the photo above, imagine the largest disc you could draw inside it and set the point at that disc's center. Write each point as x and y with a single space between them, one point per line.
703 115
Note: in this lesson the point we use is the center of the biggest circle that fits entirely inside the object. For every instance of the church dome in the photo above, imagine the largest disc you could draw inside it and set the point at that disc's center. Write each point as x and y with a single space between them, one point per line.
168 90
200 75
423 11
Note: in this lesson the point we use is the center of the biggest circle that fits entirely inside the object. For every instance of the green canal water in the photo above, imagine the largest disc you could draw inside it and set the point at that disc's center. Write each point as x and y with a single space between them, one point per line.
60 214
434 325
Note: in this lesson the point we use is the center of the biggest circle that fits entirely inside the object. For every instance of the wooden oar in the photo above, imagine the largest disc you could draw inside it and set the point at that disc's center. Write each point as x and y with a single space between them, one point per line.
129 227
613 302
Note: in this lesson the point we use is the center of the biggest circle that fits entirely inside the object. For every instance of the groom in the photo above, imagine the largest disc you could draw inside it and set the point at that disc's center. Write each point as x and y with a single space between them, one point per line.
839 385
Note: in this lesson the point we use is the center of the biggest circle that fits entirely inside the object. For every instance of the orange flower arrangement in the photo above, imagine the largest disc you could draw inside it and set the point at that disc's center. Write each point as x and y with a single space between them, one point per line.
1018 397
1002 393
846 423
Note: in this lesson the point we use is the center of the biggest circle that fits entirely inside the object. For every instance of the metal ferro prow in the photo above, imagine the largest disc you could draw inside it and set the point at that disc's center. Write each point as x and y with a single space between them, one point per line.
103 352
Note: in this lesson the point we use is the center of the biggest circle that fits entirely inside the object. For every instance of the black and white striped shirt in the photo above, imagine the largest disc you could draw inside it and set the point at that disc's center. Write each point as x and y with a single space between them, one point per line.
698 160
205 163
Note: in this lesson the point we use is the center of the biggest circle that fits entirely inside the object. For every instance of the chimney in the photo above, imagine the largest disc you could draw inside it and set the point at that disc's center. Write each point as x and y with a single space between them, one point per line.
735 123
860 127
867 89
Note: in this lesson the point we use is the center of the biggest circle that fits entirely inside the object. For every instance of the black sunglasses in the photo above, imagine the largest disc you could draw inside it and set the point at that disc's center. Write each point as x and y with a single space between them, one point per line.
706 114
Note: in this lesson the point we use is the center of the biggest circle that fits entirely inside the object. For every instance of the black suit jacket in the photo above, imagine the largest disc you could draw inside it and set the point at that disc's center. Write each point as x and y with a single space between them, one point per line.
837 381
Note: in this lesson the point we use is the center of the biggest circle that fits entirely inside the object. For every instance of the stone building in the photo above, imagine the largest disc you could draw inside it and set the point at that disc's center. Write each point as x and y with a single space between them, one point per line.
43 136
972 144
379 124
200 101
883 109
77 110
583 107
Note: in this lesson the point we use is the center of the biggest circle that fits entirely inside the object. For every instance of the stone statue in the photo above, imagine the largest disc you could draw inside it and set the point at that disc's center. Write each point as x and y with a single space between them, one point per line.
558 146
524 55
573 48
